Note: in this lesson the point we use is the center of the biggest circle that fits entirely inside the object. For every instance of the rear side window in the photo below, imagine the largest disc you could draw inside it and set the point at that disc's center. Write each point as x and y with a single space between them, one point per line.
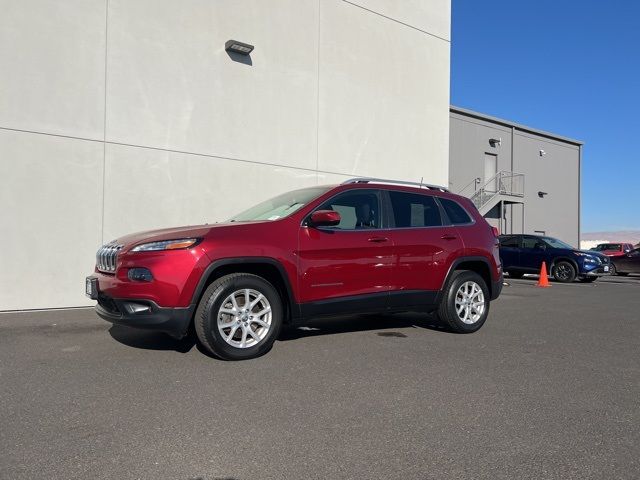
455 212
414 210
511 242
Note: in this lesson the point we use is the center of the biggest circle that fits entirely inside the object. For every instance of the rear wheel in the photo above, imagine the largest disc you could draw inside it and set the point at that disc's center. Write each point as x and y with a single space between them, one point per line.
612 269
513 274
239 317
465 304
564 272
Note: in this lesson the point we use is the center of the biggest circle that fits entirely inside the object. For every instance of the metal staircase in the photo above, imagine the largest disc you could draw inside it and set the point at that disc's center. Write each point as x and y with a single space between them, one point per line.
506 187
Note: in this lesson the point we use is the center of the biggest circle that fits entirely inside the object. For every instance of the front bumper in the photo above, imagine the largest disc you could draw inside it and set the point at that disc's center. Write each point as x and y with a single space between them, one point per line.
597 271
145 314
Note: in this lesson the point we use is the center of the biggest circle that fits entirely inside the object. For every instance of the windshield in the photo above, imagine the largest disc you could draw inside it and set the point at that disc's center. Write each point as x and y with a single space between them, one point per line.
555 243
603 247
280 206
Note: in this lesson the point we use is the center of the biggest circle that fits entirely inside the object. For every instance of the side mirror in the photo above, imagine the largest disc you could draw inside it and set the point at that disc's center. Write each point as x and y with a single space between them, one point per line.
325 218
540 246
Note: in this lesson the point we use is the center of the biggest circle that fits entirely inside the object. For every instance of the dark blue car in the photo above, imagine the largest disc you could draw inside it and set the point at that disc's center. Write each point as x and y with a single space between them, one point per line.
522 254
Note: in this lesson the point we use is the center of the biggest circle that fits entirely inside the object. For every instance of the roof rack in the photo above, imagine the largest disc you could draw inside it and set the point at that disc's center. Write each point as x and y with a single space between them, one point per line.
394 182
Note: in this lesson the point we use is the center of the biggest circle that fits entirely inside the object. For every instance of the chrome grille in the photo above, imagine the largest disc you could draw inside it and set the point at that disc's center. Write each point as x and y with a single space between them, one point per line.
107 256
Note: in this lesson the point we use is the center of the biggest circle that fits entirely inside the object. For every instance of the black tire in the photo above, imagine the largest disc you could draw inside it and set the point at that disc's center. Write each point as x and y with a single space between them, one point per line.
513 274
447 309
206 316
588 279
612 269
564 272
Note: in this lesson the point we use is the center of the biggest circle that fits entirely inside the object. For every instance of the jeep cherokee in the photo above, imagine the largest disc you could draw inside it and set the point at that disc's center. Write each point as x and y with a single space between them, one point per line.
365 246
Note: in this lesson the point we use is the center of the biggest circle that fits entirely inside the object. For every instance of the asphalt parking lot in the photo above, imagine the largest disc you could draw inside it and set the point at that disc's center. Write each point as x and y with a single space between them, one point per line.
548 388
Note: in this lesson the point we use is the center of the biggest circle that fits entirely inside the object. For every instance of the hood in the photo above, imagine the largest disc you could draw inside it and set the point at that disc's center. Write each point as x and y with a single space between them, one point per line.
175 233
164 234
601 256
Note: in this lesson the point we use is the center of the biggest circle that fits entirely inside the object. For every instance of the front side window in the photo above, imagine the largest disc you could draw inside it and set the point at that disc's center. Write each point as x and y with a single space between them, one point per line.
358 209
414 210
281 206
455 212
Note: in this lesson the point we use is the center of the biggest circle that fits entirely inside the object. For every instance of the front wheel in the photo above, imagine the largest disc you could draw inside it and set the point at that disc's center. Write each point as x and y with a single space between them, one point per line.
465 304
564 272
239 317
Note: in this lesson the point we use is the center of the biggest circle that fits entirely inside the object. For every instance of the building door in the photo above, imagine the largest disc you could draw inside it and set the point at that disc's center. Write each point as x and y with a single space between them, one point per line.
490 170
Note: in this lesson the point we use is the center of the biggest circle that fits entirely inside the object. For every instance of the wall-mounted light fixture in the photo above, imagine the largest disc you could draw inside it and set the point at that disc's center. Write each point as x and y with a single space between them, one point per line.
542 194
542 153
495 142
238 47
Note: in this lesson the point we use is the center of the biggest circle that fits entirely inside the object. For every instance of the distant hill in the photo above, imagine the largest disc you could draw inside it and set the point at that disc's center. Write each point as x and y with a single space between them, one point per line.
591 239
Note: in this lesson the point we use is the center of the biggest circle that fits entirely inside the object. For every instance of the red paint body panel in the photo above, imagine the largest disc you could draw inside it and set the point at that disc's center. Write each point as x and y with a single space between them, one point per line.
319 263
421 250
335 264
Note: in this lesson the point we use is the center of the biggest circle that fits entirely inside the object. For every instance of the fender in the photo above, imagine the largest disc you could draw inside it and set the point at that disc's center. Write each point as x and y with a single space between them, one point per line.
564 259
494 287
292 305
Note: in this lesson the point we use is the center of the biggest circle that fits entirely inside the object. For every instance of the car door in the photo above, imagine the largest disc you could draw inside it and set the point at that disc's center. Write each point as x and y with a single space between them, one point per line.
510 252
346 267
533 252
423 248
628 263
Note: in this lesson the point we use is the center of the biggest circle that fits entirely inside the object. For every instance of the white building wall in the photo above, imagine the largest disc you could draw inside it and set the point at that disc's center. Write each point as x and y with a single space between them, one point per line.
124 115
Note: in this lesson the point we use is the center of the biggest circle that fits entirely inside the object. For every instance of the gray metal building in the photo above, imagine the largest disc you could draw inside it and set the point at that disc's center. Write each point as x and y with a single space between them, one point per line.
523 180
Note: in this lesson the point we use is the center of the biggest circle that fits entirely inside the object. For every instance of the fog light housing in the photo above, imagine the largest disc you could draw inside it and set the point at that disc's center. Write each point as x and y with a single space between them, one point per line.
134 308
140 274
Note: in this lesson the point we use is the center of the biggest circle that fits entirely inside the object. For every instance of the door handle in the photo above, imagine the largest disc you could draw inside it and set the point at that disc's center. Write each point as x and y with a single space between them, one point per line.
448 237
378 239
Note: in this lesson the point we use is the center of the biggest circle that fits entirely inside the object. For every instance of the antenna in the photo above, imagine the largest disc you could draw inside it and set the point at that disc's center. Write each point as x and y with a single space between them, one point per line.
421 179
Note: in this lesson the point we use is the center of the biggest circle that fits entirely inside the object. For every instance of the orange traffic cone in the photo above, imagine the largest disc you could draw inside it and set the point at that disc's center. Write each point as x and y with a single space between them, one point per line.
544 280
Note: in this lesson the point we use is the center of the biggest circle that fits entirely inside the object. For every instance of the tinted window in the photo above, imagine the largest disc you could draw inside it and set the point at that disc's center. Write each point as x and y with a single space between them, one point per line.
533 242
455 212
358 209
414 210
510 242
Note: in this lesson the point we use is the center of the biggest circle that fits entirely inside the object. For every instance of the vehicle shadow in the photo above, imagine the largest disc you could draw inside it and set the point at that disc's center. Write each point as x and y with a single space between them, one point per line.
382 325
149 340
363 323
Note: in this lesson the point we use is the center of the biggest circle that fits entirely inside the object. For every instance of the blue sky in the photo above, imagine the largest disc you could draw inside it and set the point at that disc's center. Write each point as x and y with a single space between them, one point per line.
569 67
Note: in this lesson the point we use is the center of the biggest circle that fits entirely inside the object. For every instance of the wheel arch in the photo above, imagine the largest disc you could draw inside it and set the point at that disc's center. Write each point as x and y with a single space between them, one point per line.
479 265
266 267
564 259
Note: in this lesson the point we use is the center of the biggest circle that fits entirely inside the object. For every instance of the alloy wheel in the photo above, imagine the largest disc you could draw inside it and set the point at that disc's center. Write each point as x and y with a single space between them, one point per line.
244 318
470 302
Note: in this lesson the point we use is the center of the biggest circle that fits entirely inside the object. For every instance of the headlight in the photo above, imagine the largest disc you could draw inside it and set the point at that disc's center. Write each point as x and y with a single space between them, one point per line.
589 258
179 244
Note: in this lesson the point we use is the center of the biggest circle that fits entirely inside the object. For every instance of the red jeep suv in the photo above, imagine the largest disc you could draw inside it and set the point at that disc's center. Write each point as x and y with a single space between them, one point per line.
365 246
